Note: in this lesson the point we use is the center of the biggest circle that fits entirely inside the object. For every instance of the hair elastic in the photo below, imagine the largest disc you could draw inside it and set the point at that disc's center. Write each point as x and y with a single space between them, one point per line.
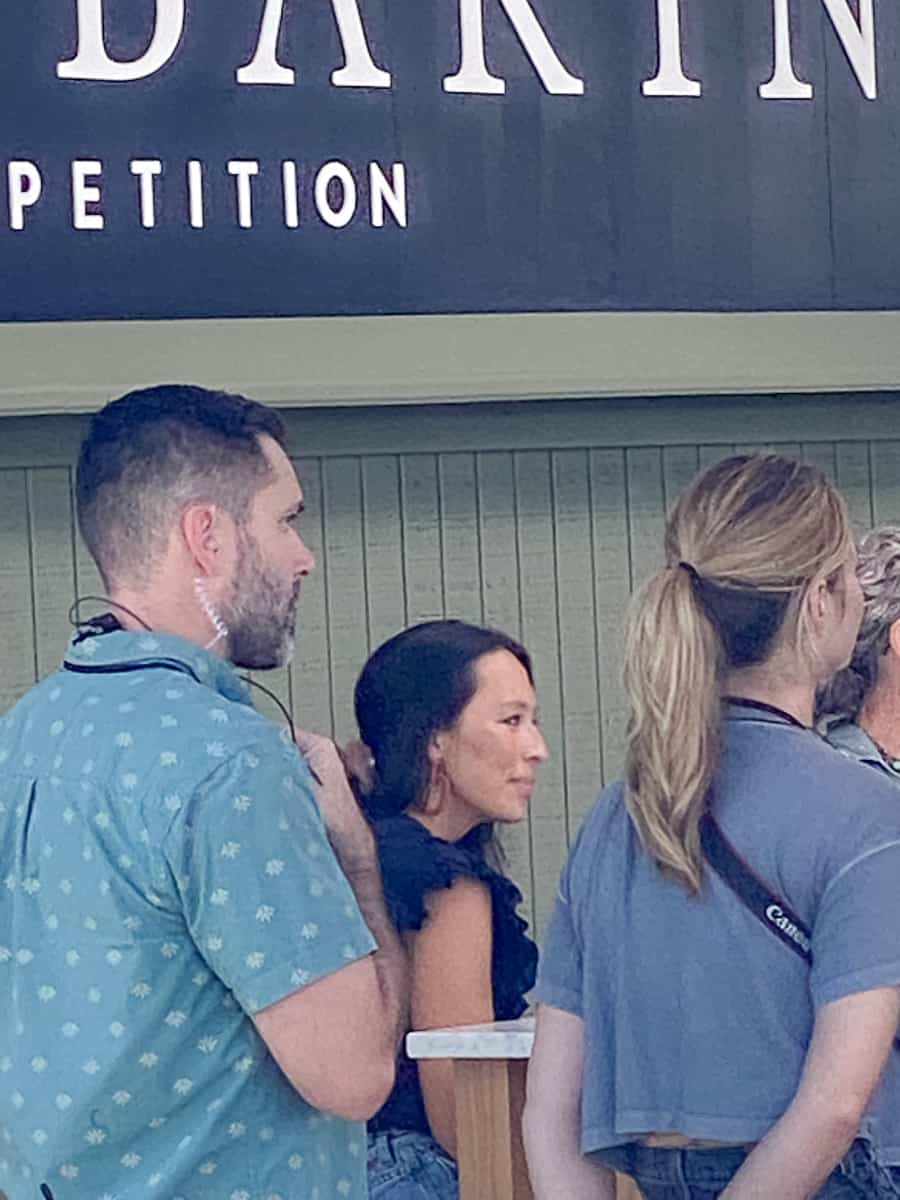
691 570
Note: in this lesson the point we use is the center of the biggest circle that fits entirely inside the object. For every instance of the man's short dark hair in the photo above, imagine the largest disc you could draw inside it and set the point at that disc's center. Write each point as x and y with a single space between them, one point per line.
151 453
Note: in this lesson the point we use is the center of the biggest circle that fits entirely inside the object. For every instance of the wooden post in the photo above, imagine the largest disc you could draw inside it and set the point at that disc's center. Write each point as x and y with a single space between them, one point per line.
490 1096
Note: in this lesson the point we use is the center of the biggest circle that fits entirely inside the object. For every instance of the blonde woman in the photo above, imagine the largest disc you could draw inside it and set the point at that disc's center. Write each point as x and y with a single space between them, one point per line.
683 1037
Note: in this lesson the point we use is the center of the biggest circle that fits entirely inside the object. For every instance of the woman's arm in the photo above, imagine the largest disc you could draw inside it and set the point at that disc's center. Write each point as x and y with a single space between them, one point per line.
451 985
552 1121
851 1040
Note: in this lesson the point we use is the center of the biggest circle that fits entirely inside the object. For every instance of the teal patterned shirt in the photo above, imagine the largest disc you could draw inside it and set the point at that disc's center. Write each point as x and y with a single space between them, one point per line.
164 873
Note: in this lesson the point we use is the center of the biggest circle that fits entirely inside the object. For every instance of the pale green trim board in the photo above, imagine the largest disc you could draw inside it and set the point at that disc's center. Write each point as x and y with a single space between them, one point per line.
76 367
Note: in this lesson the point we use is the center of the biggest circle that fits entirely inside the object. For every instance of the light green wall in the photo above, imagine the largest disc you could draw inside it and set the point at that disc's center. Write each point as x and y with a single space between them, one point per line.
537 517
75 367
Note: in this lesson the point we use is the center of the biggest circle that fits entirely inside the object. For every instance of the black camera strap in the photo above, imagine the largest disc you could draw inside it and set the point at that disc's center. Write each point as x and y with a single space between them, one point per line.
768 908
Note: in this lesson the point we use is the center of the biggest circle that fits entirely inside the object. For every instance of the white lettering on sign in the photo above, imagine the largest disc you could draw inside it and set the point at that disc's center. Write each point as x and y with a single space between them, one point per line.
856 37
24 186
392 194
264 66
784 84
853 22
670 79
146 169
473 76
336 191
243 171
358 71
339 173
289 188
84 193
91 60
195 193
858 40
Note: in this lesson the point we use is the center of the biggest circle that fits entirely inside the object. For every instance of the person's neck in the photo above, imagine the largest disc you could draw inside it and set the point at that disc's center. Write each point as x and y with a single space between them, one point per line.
444 824
142 610
879 717
794 697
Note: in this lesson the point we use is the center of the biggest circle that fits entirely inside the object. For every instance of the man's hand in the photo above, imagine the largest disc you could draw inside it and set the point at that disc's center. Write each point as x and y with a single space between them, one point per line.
354 845
348 830
360 767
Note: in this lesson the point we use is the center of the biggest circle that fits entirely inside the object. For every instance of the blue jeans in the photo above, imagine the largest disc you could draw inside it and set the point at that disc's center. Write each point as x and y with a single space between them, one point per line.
663 1174
405 1165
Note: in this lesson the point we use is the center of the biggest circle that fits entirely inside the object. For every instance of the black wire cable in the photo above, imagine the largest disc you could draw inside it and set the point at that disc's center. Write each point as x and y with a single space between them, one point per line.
282 706
96 623
79 600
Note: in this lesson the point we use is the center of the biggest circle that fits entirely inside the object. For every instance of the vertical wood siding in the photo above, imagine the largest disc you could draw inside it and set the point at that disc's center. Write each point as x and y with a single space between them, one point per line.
545 543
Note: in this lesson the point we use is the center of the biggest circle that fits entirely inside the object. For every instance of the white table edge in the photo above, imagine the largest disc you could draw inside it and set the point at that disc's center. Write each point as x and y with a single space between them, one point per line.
499 1039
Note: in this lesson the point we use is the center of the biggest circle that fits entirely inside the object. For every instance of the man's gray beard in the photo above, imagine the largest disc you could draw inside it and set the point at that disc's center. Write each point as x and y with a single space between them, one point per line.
260 636
256 645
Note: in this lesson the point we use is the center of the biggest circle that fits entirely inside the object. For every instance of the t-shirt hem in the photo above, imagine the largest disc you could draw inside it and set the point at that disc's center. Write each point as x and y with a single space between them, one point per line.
632 1123
264 990
883 975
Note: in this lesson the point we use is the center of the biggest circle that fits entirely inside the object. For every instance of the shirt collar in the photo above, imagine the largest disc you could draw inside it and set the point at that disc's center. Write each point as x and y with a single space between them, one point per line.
739 708
851 739
126 649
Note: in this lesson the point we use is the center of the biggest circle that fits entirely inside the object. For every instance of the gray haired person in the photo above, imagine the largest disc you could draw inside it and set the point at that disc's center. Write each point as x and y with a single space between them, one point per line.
860 707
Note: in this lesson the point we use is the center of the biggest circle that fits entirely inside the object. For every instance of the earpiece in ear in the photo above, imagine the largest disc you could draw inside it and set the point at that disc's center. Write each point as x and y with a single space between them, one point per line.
209 608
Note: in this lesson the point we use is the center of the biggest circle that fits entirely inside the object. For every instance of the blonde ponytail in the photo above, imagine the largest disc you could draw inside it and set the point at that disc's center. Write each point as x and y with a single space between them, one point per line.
743 545
672 656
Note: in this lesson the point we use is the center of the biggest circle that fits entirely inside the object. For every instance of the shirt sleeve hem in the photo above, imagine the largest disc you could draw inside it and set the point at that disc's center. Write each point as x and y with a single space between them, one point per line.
882 975
558 997
261 991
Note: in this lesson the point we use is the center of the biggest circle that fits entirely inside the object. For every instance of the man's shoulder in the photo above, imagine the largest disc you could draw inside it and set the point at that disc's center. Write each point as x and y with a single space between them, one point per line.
847 765
48 696
149 725
205 729
853 742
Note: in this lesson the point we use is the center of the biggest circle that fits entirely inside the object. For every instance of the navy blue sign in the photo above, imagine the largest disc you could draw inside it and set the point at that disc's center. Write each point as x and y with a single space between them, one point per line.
194 158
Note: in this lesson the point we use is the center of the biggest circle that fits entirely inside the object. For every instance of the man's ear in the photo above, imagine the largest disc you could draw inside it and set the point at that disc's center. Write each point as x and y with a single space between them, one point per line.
203 531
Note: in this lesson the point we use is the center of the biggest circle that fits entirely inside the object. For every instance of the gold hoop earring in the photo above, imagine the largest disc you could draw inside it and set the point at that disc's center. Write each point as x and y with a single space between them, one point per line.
435 793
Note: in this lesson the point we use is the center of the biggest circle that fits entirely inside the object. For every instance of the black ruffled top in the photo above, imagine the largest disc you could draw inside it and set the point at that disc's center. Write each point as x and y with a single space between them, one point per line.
414 863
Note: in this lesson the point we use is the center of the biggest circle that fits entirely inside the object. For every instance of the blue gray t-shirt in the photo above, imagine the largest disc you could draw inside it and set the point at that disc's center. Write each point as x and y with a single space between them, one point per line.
852 740
697 1020
164 873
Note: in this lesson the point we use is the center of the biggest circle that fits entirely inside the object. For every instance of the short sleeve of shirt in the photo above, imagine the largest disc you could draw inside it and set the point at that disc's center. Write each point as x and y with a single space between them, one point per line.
262 893
559 981
856 936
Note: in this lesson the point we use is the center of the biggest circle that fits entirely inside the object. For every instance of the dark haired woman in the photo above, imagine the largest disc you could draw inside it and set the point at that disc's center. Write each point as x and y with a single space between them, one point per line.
447 711
679 1038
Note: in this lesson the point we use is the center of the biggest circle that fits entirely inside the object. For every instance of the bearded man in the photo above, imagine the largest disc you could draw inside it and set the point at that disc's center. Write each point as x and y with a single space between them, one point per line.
200 992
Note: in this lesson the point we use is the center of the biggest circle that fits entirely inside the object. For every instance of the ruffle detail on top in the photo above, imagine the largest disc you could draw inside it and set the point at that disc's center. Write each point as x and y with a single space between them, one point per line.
415 863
